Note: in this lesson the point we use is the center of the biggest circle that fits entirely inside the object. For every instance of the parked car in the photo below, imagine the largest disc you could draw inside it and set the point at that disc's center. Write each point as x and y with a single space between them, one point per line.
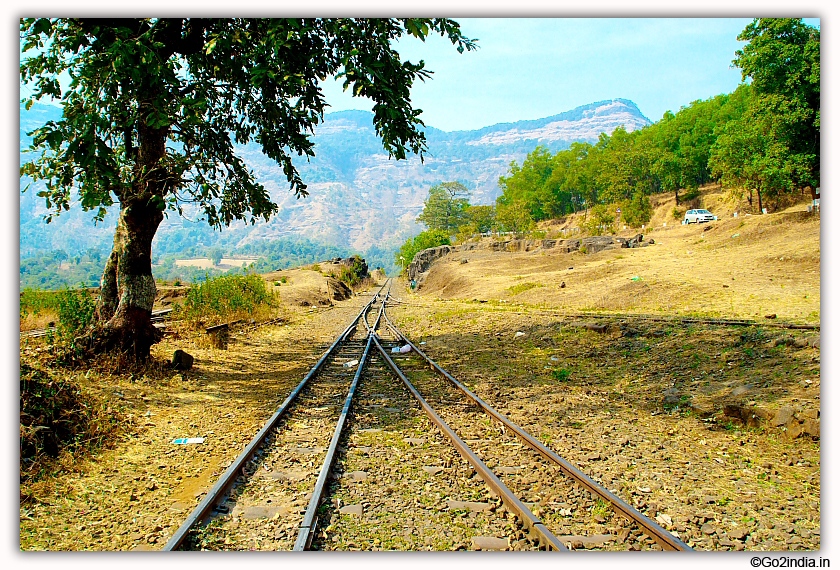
698 217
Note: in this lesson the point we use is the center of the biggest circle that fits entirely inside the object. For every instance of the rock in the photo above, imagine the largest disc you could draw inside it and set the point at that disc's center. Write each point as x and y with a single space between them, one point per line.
357 475
182 360
771 316
432 469
739 533
562 284
811 427
794 430
489 543
519 334
414 440
783 416
814 341
351 510
707 529
468 506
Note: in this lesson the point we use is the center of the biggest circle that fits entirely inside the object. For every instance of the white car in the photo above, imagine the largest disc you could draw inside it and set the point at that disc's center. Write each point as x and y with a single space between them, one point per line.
698 217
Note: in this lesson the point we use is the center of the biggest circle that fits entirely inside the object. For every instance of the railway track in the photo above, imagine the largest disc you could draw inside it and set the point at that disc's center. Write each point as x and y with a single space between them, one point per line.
375 412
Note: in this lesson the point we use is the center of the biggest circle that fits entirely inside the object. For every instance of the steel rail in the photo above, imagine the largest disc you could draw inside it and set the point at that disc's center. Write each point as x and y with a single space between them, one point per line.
308 527
664 538
546 537
216 494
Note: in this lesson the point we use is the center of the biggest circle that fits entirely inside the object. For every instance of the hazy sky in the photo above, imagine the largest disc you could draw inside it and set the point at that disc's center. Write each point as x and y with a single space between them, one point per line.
529 68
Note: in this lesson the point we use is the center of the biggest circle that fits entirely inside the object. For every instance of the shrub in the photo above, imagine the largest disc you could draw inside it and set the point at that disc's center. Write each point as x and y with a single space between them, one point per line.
56 417
226 298
75 312
637 210
601 220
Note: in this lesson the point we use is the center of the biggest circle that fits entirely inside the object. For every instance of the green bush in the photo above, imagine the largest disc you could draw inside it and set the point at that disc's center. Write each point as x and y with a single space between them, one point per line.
75 312
35 302
636 211
601 220
226 298
425 240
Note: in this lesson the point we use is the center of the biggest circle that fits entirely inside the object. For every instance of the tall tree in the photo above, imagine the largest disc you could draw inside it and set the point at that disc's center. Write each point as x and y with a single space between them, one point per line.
782 58
155 107
446 207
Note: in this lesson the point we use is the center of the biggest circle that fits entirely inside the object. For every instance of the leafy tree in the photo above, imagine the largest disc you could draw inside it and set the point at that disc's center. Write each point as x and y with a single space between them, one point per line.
155 107
637 210
482 217
425 240
446 207
514 217
782 58
214 254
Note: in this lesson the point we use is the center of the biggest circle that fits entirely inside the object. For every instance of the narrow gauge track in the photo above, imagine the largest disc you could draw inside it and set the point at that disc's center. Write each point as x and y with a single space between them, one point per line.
280 461
291 440
533 471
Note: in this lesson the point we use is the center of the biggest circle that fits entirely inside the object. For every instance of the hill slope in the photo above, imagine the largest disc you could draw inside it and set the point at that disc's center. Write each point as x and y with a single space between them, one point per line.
358 197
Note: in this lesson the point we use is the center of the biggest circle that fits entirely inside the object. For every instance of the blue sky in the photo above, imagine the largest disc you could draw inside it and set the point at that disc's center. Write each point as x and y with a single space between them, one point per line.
529 68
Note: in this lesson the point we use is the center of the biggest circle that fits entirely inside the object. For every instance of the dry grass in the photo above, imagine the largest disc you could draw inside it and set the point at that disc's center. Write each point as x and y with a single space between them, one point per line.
745 267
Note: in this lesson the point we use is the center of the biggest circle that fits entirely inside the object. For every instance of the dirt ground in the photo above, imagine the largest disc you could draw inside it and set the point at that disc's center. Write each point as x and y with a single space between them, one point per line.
682 420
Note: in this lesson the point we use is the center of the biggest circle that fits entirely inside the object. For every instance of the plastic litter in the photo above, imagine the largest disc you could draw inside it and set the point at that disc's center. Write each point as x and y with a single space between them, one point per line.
395 350
404 349
636 278
182 440
351 364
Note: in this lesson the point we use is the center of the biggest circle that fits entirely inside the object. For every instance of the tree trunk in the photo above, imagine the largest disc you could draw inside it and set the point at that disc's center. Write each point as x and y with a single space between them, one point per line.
124 310
760 208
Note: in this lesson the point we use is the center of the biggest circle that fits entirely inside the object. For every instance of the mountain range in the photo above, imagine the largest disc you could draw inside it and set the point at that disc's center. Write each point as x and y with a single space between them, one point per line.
359 198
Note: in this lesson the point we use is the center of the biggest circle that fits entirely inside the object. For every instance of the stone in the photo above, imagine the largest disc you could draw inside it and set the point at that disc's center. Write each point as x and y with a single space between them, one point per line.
794 430
707 529
739 533
414 440
432 469
182 360
489 543
352 510
257 512
782 417
814 341
468 506
357 475
811 427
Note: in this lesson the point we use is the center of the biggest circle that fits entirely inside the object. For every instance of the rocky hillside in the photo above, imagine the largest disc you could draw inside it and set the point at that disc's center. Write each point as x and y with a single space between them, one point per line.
358 197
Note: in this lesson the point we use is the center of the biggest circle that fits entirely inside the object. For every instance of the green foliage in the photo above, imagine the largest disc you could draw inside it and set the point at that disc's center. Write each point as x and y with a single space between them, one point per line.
446 207
35 302
514 217
202 85
636 211
782 60
763 137
57 417
75 312
224 299
601 220
560 374
354 275
425 240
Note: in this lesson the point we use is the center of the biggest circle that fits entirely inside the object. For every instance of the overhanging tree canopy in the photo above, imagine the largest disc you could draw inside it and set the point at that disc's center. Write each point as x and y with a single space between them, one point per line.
156 106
